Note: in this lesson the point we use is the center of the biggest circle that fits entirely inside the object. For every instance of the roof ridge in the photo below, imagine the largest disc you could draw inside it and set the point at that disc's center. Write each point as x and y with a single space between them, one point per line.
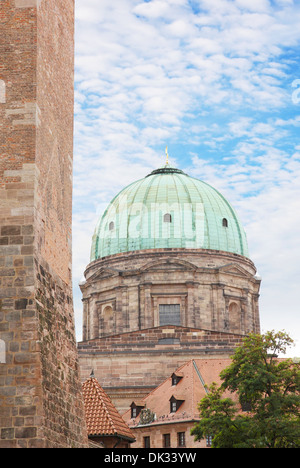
200 376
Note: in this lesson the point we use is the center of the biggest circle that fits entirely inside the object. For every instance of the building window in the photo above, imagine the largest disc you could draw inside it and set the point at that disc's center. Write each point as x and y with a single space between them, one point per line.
209 441
147 442
176 379
167 218
106 321
111 226
166 440
181 439
169 314
225 222
175 404
135 410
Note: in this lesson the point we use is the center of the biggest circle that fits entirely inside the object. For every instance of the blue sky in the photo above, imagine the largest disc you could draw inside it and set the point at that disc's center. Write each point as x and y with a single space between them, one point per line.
218 81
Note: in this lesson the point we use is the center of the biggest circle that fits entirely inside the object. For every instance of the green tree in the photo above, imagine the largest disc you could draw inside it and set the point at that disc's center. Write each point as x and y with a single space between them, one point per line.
267 386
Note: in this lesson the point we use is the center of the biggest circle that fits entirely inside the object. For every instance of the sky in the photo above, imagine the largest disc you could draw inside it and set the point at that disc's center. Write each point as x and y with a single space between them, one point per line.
218 82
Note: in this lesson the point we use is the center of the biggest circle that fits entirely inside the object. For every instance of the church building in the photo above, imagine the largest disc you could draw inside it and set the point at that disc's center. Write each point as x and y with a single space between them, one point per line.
169 280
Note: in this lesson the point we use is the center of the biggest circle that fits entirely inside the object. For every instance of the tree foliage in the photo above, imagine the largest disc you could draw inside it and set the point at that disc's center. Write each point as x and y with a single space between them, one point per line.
267 386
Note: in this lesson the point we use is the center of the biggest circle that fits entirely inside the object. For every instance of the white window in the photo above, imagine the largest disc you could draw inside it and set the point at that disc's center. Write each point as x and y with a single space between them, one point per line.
173 406
181 439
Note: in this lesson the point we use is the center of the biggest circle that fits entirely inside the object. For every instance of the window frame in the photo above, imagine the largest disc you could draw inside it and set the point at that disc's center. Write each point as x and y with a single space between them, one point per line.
165 310
225 222
167 218
175 379
174 403
209 440
167 440
146 442
135 408
181 442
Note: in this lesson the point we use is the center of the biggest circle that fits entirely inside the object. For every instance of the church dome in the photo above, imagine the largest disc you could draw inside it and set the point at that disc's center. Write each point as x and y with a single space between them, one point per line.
168 209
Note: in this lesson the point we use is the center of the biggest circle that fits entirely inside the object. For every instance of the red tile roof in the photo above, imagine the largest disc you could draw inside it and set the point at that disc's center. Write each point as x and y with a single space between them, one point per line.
196 374
102 418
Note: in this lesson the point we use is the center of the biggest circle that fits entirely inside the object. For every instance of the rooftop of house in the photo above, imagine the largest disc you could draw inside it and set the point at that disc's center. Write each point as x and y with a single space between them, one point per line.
177 398
102 417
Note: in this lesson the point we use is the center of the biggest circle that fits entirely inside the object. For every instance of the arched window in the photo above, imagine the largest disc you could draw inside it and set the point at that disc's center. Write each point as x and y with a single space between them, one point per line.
224 222
167 218
235 316
107 325
108 313
233 308
111 226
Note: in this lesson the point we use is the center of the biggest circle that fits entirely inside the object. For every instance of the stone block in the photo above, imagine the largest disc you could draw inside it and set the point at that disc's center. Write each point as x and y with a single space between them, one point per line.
7 433
36 150
25 432
10 230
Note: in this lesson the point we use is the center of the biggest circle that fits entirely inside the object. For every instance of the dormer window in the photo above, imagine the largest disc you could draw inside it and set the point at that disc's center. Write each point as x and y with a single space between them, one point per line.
175 403
167 218
136 409
176 379
225 222
173 407
111 226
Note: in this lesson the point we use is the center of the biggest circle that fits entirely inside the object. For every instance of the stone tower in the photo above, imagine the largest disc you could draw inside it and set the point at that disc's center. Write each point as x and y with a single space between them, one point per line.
40 391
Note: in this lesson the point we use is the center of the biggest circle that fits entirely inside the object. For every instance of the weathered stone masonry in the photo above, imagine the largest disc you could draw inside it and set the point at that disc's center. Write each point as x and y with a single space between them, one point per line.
132 364
40 390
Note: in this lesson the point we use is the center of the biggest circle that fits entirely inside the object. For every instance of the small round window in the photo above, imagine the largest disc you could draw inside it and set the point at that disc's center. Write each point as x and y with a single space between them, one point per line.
224 222
111 226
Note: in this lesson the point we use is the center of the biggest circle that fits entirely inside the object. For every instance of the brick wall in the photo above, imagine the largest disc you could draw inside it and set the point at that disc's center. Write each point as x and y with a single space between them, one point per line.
40 391
129 365
155 434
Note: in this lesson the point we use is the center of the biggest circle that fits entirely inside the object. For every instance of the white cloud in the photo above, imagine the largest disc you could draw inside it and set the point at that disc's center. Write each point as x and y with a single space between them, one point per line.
267 198
154 9
211 78
254 5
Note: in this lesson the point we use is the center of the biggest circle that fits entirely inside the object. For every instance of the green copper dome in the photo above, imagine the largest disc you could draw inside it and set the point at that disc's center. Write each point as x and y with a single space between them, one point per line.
168 209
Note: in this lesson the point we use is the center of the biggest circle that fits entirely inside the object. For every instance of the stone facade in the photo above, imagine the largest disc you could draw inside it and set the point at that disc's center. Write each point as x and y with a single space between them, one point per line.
212 290
155 436
128 339
164 418
40 391
131 365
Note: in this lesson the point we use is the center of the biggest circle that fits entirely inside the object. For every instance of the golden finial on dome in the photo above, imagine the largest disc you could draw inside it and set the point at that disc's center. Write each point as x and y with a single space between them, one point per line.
167 154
